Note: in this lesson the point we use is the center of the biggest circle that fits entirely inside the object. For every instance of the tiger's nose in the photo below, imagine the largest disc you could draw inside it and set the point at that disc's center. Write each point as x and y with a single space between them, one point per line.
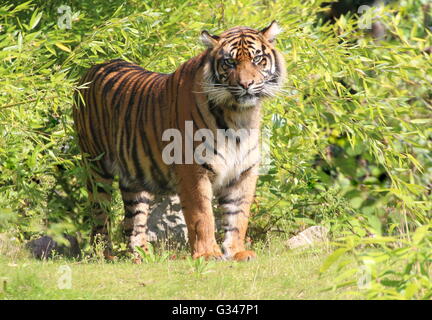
246 84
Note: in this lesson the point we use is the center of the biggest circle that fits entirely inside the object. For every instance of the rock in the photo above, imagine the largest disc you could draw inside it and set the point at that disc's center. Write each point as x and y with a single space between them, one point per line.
378 30
309 237
44 247
166 221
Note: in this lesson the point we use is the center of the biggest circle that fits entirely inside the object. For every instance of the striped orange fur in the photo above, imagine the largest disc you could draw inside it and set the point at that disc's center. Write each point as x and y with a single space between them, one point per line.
122 113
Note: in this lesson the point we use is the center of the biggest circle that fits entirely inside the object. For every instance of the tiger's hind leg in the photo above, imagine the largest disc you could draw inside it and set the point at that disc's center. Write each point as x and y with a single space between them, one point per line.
235 202
137 209
99 188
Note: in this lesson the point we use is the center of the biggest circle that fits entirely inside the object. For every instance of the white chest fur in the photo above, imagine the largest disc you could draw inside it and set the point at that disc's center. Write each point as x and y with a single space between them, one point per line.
237 151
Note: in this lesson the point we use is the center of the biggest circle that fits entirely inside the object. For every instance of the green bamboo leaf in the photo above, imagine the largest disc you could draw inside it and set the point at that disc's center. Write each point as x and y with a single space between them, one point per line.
420 233
332 259
62 47
35 18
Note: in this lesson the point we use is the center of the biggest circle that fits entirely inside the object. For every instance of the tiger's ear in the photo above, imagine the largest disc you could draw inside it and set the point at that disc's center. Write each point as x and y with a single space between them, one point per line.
209 40
271 31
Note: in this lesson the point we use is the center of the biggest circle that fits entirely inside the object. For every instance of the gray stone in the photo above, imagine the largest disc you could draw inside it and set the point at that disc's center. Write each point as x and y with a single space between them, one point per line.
166 221
44 247
309 237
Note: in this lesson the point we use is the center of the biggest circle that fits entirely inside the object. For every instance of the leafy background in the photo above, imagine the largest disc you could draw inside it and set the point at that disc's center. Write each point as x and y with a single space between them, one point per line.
351 133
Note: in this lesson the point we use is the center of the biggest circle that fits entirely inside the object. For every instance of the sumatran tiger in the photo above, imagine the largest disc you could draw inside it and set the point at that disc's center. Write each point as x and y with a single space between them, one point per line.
122 113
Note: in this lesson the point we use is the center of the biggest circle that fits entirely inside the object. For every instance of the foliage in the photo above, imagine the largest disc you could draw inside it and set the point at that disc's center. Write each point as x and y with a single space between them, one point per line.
150 256
350 134
391 268
200 266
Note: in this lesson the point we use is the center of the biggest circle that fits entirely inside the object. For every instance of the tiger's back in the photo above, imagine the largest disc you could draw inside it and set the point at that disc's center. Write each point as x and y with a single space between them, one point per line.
119 120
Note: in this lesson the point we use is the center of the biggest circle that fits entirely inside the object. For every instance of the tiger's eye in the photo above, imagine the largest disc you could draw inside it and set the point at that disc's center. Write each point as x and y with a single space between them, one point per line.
230 62
257 59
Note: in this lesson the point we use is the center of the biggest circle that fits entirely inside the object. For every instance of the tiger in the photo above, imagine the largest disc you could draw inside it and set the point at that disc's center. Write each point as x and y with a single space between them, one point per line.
122 110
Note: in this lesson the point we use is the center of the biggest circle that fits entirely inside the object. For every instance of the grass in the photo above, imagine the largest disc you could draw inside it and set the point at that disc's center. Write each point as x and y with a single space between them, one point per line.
278 273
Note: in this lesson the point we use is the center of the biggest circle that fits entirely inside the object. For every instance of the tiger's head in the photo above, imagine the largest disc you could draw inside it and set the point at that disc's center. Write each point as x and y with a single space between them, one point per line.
243 66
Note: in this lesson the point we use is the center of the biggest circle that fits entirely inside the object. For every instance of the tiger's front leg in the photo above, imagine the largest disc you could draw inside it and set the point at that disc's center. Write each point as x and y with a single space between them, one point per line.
196 194
235 202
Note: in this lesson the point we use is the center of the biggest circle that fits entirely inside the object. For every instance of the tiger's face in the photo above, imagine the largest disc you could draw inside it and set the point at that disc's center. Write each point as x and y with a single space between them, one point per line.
243 67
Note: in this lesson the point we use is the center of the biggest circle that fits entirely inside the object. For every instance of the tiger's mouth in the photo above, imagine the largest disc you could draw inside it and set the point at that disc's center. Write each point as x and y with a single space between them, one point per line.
246 96
228 96
247 99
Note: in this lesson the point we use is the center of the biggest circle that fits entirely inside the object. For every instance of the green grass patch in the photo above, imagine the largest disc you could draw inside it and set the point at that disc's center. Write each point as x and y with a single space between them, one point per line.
278 273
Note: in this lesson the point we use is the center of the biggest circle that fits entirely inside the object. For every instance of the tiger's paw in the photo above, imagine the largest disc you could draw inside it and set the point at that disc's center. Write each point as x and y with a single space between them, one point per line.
209 256
244 256
109 256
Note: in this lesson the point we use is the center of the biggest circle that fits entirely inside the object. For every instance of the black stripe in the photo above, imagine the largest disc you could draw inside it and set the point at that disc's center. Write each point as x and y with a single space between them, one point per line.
233 182
162 102
130 214
218 116
231 229
248 36
126 104
136 201
233 212
133 137
215 152
160 178
203 59
134 189
93 113
176 115
209 148
106 89
226 200
250 150
208 167
137 161
149 94
156 106
200 114
116 97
